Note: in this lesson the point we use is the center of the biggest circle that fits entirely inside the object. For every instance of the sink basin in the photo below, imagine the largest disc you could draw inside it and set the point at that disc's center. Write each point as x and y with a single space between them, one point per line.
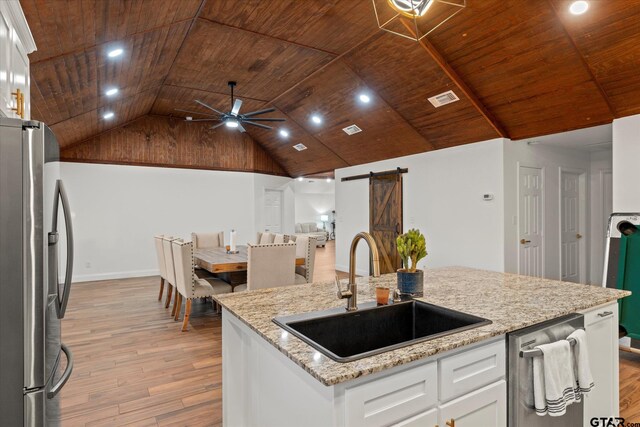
345 336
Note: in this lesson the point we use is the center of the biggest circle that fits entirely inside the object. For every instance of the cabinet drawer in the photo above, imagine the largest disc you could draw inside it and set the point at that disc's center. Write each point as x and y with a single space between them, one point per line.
601 313
471 369
392 399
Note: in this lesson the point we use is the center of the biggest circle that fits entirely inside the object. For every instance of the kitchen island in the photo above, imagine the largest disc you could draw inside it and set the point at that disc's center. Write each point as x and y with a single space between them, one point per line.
271 377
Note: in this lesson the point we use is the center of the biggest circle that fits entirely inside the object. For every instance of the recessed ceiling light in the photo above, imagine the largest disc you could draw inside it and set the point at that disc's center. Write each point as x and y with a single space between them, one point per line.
578 7
231 123
115 52
316 119
284 133
300 179
111 91
364 98
108 115
328 179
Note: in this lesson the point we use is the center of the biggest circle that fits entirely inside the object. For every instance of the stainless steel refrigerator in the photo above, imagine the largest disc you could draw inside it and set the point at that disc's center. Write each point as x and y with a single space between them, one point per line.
36 263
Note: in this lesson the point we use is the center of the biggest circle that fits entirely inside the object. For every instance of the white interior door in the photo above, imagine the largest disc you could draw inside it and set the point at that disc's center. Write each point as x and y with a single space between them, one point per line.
530 221
273 211
570 227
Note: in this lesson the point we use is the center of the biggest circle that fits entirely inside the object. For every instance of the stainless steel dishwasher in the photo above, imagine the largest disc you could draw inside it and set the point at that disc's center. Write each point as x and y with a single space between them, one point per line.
521 410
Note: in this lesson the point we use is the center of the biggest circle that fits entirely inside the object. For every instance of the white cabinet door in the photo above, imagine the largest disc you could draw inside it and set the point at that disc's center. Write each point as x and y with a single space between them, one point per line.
20 74
425 419
601 326
6 100
486 407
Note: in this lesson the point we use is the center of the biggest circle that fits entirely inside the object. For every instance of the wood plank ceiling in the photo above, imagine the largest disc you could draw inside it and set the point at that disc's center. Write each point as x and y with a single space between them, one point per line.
520 68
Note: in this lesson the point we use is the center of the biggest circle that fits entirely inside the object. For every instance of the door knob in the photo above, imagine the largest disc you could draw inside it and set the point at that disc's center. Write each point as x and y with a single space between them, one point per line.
578 236
524 242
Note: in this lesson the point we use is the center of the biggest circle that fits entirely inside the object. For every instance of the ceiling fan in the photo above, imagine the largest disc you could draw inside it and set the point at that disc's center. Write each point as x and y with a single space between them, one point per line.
233 118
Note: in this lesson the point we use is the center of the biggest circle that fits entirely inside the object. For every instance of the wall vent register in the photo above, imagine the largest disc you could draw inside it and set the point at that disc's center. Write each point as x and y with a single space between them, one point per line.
443 99
350 130
300 147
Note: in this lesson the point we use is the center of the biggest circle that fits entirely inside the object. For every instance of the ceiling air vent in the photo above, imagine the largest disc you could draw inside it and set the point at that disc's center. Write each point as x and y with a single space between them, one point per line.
300 147
350 130
443 99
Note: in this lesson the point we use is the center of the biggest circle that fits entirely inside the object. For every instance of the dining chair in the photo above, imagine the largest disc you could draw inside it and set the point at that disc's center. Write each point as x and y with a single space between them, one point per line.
207 240
280 238
270 266
161 263
265 238
305 248
169 269
190 286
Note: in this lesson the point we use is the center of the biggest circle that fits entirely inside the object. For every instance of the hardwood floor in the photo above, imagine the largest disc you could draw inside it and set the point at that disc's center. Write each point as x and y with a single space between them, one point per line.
630 386
134 367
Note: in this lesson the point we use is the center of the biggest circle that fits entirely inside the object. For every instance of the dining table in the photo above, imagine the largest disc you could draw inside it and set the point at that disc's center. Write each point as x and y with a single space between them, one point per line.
230 267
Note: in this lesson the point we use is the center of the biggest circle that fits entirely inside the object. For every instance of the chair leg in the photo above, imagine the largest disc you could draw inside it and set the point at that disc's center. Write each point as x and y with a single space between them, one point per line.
169 292
161 289
187 313
178 304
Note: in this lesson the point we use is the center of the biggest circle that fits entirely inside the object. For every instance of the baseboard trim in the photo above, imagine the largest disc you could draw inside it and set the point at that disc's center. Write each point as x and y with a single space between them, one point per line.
110 276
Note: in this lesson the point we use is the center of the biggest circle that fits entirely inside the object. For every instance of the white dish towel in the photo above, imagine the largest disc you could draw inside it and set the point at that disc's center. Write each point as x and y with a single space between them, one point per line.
581 362
554 381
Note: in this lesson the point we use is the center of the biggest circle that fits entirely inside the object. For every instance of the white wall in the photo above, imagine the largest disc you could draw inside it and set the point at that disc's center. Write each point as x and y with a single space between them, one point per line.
118 209
314 197
443 198
551 159
626 161
601 208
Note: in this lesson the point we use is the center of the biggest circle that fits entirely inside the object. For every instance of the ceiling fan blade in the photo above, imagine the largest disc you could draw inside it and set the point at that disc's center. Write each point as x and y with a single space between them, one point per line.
210 108
216 126
256 124
236 107
255 113
242 129
194 112
202 120
267 120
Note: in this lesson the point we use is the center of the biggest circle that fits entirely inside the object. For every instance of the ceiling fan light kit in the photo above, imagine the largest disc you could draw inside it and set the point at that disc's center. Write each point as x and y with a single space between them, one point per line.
412 19
232 118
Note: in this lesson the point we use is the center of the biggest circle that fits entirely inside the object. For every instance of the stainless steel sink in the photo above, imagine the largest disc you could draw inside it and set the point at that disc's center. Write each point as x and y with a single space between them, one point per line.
345 336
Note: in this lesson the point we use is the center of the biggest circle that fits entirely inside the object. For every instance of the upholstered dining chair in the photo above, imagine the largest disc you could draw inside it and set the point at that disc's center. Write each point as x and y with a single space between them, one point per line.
208 240
189 286
305 248
169 269
270 266
265 238
161 262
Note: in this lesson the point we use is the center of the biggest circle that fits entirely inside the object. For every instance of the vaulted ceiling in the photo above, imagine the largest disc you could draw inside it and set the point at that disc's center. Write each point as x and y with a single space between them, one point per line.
520 68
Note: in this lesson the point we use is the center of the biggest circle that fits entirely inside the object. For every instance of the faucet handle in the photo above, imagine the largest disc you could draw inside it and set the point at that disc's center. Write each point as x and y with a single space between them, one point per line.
342 294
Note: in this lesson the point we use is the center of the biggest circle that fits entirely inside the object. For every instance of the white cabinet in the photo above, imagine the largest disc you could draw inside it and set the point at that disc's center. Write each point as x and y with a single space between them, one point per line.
484 407
601 326
16 42
428 418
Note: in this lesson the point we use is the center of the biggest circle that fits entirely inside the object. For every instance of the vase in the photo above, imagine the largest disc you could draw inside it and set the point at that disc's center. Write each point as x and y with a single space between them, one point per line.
411 283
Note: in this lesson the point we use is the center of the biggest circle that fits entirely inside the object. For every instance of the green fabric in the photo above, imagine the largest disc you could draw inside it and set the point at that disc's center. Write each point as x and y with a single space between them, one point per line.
629 279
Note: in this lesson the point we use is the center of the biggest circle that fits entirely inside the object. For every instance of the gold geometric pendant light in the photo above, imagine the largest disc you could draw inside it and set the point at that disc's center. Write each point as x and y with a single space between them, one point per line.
415 19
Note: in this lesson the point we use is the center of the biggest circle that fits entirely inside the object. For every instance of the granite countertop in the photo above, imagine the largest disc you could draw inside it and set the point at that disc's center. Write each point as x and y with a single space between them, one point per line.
510 301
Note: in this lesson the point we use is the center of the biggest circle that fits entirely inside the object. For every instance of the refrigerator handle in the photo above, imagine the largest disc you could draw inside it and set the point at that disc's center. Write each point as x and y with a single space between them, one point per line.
64 298
65 376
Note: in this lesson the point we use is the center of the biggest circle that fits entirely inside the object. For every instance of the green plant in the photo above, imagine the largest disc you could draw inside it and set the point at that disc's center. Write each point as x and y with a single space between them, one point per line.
411 245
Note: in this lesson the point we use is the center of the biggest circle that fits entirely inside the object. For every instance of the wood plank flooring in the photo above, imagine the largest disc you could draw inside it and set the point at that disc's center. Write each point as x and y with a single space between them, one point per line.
134 367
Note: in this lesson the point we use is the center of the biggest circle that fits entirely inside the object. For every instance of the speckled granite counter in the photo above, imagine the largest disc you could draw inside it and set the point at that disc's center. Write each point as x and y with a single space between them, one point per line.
510 301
